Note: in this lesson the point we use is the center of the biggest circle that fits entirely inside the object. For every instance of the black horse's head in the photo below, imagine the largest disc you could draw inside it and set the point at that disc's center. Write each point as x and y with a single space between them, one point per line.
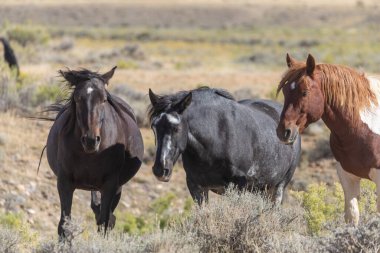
89 99
170 131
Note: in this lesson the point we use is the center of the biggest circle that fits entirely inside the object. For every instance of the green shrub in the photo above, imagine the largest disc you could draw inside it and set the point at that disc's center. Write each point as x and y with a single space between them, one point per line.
46 94
25 35
132 224
16 223
325 205
122 64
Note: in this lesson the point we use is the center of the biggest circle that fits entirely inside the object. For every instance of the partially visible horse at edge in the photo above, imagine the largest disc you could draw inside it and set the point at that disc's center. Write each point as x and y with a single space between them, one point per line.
94 144
222 142
348 102
9 56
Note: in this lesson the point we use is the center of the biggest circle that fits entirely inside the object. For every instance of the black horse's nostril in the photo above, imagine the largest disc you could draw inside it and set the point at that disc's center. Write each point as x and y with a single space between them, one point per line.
287 133
83 139
97 139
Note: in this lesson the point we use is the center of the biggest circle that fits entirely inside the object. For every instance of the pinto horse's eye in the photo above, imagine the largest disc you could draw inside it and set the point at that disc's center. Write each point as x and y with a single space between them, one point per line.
304 93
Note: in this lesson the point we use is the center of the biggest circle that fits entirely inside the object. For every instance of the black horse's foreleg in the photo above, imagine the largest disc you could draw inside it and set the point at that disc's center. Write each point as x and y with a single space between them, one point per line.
65 191
115 202
198 194
109 192
95 204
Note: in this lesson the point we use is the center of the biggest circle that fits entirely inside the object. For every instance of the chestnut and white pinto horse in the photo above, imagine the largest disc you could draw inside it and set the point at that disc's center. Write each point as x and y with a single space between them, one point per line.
349 104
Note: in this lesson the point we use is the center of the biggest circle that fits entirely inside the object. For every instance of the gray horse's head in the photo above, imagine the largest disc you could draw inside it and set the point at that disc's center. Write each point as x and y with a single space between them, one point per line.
170 131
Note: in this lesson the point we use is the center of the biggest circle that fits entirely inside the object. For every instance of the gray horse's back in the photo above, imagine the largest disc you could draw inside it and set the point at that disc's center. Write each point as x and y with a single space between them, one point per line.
269 107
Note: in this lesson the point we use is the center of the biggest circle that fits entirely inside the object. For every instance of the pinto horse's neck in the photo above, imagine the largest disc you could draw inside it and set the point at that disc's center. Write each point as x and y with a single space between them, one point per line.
355 144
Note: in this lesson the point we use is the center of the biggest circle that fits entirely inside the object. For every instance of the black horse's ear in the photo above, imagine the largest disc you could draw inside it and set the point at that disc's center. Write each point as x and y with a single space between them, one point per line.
153 98
310 65
107 76
290 61
183 104
69 76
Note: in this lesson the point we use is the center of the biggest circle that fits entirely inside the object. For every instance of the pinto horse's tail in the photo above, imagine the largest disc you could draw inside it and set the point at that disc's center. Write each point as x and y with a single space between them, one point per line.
39 164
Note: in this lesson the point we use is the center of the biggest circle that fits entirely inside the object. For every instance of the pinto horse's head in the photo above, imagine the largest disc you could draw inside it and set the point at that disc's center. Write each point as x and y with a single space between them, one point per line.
170 131
89 98
304 100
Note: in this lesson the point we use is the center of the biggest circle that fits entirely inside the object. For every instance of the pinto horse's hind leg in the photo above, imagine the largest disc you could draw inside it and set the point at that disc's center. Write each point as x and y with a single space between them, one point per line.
65 191
351 188
374 175
197 193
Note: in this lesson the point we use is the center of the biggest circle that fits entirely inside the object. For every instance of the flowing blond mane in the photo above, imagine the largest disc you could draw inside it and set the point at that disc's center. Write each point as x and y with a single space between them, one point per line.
343 87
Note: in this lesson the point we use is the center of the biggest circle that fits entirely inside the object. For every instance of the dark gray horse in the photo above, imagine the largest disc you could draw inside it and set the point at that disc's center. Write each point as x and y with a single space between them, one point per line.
94 144
222 142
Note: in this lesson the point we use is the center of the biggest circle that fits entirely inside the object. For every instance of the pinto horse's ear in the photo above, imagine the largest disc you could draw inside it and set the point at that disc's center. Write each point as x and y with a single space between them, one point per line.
107 76
153 98
310 65
290 61
183 104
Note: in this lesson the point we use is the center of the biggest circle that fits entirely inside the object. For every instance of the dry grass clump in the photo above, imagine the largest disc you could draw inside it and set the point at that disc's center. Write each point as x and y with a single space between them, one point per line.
236 222
365 238
247 223
9 240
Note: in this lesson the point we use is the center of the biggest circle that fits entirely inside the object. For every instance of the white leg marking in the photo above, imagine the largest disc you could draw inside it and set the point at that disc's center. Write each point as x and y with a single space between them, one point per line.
374 175
351 188
89 90
371 115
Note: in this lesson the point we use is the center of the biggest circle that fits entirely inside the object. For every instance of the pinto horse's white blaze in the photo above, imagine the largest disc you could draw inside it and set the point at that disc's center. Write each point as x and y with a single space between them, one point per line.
89 90
374 175
351 188
292 85
371 116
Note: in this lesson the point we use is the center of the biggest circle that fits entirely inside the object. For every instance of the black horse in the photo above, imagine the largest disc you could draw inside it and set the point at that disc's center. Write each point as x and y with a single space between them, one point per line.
94 144
9 56
222 141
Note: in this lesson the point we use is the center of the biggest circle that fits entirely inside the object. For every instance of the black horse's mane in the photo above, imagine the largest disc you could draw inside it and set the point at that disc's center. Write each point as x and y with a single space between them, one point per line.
74 78
164 102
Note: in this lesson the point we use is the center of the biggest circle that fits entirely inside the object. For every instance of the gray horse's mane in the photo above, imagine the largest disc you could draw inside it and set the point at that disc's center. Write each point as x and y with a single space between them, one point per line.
165 102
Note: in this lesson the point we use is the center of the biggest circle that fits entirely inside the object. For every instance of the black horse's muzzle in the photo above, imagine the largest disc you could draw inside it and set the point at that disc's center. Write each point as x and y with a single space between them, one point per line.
90 143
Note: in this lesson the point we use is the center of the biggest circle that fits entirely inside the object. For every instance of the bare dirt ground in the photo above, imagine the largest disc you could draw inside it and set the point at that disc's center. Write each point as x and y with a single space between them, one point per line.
22 140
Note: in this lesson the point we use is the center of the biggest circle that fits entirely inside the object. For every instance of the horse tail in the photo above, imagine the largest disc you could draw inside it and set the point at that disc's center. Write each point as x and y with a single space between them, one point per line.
39 164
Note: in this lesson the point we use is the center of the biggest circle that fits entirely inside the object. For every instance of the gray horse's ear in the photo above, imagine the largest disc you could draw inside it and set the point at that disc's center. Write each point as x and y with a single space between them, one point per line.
310 65
183 104
290 61
153 98
107 76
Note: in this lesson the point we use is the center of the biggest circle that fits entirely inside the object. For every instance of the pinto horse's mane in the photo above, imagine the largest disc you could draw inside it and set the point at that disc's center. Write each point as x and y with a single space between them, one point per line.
165 102
343 87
